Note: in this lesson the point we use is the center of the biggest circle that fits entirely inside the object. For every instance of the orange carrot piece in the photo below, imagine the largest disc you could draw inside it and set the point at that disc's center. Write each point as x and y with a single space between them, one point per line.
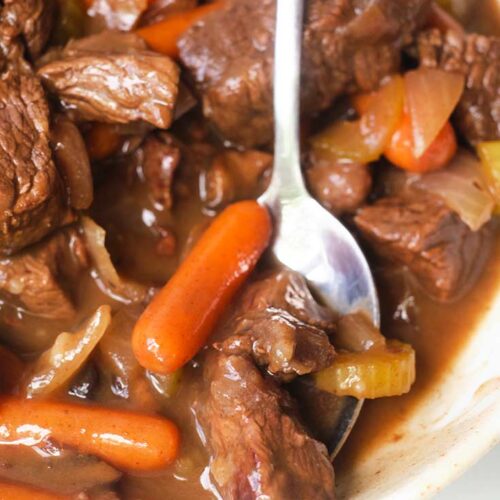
438 154
163 36
179 320
11 370
102 141
11 491
128 440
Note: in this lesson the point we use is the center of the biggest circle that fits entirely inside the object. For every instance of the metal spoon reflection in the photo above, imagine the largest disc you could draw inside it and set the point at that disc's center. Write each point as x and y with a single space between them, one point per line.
308 239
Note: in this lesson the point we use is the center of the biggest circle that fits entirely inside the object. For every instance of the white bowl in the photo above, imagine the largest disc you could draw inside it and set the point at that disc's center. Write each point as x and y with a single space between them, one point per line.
447 432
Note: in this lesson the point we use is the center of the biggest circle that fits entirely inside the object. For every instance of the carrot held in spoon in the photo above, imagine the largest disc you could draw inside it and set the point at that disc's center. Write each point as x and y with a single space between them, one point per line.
128 440
179 320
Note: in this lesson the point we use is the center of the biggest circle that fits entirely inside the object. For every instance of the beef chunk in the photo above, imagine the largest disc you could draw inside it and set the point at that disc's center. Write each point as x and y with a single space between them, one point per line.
281 342
31 196
118 14
423 234
478 58
84 78
258 447
30 19
281 326
339 186
287 290
37 279
347 46
161 157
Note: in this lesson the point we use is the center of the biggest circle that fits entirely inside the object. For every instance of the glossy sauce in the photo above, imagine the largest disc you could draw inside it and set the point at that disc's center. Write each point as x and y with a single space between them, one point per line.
438 334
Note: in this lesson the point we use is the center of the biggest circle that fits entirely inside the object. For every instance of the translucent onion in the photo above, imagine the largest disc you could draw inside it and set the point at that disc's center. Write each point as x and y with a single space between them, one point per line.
117 287
356 333
73 162
431 97
375 373
365 139
56 366
462 187
489 152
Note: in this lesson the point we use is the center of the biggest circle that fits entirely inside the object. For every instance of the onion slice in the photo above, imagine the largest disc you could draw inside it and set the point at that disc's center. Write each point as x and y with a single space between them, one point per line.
431 97
462 187
73 162
113 284
57 365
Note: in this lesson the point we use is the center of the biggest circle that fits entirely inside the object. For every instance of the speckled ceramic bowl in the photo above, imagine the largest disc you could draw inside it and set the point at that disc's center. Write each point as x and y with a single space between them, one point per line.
454 426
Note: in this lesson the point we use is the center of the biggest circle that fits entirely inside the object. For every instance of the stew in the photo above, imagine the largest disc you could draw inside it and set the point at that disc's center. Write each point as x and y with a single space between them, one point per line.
149 348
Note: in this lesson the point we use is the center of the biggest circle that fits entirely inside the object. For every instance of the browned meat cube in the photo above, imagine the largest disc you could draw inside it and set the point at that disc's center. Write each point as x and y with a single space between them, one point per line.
113 78
478 58
280 325
287 290
423 234
32 198
38 279
281 343
347 46
30 19
258 447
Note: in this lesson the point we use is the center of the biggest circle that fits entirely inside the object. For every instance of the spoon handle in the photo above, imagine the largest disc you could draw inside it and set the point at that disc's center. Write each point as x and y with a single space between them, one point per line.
287 181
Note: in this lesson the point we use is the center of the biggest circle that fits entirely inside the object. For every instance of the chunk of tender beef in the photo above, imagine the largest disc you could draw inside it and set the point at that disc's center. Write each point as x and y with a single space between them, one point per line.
258 448
339 186
85 80
281 342
31 196
118 14
287 290
278 323
478 58
347 46
422 233
161 156
30 19
38 279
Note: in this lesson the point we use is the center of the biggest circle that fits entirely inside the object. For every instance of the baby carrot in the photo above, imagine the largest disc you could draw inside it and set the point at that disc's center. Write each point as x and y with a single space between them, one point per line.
438 154
11 491
163 36
130 441
177 323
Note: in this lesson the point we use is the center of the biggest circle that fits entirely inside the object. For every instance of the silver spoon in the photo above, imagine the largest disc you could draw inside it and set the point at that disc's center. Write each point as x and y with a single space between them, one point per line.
309 239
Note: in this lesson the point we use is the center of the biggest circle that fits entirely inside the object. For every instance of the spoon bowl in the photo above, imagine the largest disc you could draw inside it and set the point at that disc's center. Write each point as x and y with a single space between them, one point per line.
311 241
308 239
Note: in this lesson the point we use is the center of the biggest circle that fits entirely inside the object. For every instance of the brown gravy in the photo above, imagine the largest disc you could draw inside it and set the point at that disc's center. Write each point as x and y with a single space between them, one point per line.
439 337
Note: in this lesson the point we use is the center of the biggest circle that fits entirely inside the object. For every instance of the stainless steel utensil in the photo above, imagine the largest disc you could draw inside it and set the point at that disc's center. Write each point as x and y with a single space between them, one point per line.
309 239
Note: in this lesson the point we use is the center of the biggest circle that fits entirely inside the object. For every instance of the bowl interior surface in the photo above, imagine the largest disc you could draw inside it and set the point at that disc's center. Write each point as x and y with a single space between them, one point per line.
448 431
